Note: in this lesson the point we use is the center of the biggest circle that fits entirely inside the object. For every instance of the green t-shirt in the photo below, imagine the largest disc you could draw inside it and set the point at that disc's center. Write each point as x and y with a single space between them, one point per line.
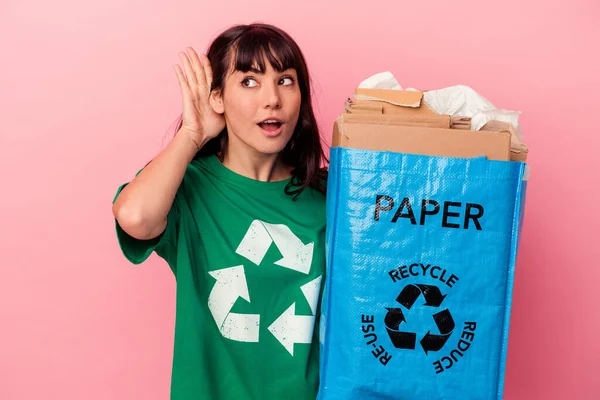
249 264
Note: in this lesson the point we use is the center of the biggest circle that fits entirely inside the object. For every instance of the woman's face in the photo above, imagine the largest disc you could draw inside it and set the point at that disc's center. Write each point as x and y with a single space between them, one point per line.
261 108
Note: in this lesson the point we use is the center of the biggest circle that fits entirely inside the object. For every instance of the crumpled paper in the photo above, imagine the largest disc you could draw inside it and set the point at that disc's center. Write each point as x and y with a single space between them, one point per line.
382 80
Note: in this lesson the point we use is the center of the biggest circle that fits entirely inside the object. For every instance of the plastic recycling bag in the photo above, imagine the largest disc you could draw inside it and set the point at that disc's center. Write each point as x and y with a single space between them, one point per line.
421 253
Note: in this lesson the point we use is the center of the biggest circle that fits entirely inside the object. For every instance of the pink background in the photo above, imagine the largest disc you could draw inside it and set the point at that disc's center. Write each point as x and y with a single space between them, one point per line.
88 95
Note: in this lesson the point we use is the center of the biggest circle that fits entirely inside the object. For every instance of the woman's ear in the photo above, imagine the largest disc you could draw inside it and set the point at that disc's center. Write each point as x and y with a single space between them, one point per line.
216 101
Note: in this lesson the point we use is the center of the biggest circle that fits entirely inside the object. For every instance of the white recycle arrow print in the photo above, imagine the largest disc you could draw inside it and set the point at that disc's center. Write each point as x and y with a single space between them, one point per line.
311 293
260 236
231 284
290 328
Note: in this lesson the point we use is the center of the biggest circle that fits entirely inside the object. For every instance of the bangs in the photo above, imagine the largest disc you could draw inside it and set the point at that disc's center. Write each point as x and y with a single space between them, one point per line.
257 45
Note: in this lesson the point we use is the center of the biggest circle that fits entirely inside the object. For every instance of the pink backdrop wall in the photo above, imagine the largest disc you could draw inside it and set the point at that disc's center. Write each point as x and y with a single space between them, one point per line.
88 94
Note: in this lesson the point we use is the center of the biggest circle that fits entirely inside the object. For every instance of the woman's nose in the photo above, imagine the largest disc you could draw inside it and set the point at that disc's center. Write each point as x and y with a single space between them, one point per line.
272 98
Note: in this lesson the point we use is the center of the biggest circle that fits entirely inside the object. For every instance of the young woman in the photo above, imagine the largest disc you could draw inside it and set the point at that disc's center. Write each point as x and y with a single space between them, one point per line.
235 204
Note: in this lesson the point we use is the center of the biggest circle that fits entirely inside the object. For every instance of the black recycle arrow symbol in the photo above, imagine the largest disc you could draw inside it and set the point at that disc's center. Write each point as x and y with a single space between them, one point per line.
401 340
443 319
410 294
445 324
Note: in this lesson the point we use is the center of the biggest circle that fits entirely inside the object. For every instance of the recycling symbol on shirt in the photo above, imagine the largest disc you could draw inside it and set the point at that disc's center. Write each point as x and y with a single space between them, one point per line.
231 284
443 319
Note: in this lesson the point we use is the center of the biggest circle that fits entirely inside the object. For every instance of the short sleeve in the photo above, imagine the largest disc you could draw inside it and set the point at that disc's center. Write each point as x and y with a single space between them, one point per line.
137 251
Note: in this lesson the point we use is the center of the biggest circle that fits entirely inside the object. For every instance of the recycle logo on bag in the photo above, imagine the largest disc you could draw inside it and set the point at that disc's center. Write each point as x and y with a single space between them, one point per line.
430 341
421 320
231 284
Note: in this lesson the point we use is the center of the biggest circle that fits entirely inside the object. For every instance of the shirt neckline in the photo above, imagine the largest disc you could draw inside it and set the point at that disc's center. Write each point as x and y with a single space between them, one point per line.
221 171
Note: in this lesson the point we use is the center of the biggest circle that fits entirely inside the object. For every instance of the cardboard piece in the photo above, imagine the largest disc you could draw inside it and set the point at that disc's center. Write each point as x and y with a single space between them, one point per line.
363 107
404 98
424 121
460 122
384 107
518 149
382 101
420 140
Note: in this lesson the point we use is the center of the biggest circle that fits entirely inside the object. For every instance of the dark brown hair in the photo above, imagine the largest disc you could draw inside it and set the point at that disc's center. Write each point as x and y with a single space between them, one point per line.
249 45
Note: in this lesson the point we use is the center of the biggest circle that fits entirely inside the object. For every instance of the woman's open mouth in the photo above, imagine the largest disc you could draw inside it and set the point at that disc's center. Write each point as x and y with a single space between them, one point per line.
271 126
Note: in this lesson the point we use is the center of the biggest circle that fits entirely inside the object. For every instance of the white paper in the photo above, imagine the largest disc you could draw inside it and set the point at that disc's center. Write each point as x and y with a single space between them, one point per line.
463 101
382 80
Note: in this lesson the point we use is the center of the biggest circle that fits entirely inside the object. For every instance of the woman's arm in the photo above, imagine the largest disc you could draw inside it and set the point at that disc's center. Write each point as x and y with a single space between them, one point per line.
142 207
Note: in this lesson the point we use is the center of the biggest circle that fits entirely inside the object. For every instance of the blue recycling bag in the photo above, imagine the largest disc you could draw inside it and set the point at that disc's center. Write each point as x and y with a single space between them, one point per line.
421 253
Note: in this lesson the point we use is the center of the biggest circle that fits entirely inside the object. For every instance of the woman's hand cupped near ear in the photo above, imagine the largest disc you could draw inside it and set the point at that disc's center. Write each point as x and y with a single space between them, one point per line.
200 121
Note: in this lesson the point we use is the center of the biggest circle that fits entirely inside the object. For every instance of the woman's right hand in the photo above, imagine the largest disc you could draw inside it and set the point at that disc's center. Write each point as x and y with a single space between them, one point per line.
199 119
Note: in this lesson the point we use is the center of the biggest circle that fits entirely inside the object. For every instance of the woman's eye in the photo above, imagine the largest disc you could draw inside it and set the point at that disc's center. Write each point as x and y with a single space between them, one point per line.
249 82
287 81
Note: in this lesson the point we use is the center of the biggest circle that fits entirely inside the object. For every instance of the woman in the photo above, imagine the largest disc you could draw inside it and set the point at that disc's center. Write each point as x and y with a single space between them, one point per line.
235 205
